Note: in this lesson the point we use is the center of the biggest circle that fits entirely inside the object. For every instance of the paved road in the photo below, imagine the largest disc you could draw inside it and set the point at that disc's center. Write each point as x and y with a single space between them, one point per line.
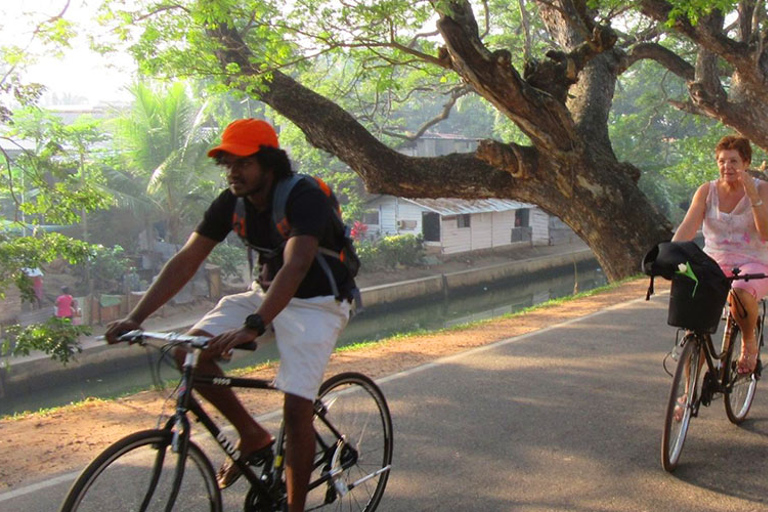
568 418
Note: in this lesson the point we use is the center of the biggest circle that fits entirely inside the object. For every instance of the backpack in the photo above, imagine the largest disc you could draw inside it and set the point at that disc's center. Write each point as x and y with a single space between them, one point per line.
699 286
347 255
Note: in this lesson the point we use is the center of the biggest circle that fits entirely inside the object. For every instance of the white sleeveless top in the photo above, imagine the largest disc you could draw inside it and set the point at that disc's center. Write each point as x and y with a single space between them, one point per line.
732 239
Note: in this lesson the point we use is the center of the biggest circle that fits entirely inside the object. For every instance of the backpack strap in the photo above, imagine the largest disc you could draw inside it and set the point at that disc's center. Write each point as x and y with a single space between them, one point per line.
279 200
238 226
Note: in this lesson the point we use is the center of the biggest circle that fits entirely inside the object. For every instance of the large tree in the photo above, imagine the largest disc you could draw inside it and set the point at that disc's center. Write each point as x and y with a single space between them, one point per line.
551 67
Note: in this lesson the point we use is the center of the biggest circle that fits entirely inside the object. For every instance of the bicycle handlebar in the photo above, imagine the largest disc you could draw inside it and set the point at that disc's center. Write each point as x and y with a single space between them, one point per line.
746 277
201 342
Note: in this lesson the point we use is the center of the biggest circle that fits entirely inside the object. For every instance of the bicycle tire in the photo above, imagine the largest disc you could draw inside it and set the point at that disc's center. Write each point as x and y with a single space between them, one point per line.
123 478
739 389
357 409
683 394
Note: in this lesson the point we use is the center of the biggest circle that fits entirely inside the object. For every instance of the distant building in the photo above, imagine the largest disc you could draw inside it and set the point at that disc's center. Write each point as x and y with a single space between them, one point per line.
452 226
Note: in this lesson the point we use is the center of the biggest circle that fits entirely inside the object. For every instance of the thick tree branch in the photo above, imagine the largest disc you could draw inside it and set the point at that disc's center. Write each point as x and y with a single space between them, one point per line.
545 120
707 35
668 59
341 135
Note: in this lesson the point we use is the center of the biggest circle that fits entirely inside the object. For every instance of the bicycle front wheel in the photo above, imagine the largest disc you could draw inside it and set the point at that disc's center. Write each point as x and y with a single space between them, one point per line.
739 389
137 473
354 439
680 405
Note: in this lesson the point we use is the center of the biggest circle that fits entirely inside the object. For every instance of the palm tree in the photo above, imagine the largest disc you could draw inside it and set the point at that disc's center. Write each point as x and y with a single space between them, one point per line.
165 142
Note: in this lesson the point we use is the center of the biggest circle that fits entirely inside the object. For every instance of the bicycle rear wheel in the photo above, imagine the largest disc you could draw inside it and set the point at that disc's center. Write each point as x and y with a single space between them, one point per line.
357 413
739 389
137 474
680 405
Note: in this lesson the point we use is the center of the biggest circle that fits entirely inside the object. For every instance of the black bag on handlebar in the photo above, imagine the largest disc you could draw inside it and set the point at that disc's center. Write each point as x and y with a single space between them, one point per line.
699 287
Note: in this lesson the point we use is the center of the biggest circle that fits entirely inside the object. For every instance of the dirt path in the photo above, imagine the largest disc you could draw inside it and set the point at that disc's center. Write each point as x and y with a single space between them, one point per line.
44 444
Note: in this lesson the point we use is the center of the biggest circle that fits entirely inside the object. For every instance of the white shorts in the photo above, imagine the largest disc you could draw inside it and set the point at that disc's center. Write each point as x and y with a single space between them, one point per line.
306 332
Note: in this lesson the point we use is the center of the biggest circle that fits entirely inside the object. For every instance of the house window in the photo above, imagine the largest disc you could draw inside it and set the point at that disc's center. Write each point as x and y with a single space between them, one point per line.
522 217
371 217
462 221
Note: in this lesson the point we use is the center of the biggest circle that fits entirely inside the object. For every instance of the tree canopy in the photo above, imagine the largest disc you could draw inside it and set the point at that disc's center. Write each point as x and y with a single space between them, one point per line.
342 72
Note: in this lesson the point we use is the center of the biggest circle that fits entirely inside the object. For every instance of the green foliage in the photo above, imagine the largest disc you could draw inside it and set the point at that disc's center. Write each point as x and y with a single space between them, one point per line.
107 266
19 252
673 150
229 257
57 181
163 143
57 337
43 35
390 252
694 10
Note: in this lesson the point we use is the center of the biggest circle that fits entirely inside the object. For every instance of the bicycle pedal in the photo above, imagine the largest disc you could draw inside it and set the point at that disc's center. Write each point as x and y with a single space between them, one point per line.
341 487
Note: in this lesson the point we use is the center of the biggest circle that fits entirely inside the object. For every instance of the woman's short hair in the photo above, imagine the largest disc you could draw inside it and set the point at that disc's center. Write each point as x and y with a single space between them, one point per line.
740 144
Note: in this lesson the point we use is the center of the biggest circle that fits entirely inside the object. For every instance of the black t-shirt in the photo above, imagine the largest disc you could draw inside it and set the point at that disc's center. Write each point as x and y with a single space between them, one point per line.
308 211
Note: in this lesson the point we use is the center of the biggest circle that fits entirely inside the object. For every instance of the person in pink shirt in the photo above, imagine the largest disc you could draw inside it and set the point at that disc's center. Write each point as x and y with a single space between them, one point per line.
64 304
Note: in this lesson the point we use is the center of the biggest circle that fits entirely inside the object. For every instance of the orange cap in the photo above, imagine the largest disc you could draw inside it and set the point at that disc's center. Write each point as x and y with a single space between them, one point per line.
245 137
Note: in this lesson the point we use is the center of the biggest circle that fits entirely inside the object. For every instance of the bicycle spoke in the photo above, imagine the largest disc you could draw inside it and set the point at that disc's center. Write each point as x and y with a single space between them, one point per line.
355 469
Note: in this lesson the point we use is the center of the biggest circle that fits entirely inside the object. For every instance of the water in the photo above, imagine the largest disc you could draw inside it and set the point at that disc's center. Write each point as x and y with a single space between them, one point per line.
481 302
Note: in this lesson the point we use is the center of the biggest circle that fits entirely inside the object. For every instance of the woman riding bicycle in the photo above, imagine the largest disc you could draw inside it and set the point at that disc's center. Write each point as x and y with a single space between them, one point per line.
733 210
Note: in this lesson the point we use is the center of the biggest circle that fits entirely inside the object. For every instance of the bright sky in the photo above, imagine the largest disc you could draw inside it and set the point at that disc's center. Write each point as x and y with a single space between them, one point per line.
80 72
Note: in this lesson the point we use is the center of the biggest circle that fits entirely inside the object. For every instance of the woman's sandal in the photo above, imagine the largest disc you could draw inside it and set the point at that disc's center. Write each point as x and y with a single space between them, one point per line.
747 363
229 472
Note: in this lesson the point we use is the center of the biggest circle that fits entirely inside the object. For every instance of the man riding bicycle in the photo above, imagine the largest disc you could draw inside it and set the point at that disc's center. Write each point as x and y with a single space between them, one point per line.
294 301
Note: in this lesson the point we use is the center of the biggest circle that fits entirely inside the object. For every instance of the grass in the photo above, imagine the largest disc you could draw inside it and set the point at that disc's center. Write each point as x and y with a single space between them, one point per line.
361 345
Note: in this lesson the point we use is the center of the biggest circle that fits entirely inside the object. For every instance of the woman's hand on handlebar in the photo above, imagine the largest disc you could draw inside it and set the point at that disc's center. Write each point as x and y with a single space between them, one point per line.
223 344
118 328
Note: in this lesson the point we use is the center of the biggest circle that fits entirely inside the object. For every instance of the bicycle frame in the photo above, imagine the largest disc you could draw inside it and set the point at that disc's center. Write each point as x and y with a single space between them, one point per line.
353 446
714 360
342 456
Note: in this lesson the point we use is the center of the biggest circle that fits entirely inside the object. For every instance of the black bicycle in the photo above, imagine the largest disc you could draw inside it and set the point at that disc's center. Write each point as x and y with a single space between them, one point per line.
164 469
703 373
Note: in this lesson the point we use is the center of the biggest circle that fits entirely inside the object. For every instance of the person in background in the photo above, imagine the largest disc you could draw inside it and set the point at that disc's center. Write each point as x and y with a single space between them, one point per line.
36 275
732 211
65 304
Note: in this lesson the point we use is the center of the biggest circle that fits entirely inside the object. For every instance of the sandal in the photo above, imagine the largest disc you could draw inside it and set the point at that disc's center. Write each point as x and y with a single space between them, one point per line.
229 472
747 363
682 402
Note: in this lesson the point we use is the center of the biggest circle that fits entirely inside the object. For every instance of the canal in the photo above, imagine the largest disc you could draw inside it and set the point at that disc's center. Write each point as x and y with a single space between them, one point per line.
130 374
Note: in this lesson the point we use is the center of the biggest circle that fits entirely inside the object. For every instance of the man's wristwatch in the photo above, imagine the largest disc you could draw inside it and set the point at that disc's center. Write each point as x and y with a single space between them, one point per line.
255 323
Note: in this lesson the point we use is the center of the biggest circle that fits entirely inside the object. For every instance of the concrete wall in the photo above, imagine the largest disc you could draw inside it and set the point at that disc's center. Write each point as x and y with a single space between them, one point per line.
389 293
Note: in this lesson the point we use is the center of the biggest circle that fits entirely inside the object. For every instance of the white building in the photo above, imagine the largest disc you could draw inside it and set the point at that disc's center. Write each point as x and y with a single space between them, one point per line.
451 226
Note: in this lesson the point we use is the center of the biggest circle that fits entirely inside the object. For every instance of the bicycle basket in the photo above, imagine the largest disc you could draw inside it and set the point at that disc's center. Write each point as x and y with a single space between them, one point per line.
699 287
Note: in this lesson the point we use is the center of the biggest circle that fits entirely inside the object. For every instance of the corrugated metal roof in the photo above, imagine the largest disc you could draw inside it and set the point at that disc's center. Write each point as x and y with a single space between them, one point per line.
463 206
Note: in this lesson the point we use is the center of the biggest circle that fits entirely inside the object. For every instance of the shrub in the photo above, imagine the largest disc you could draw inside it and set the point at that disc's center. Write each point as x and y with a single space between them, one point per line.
391 251
108 265
229 257
57 337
